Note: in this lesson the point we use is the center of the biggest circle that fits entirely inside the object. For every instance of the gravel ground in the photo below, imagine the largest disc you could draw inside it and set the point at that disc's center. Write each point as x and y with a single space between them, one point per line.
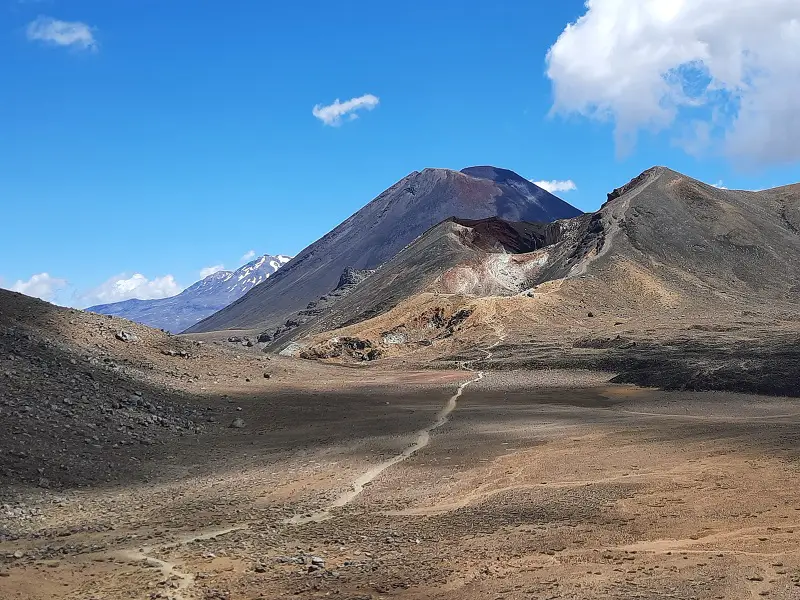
539 484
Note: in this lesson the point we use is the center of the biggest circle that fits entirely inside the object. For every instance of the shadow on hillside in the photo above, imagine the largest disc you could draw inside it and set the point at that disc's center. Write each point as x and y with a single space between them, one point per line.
768 367
70 423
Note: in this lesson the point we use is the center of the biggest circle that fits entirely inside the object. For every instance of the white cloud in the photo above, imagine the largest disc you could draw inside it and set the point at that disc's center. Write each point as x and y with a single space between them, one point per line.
206 271
248 256
41 286
727 69
719 185
556 186
62 33
332 114
122 287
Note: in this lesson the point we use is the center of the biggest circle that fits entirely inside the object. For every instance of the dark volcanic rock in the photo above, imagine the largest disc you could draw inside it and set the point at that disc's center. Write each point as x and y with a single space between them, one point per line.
350 276
376 233
73 415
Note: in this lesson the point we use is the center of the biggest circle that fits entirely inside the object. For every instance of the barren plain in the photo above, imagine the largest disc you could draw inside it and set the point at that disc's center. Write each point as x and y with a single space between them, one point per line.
354 483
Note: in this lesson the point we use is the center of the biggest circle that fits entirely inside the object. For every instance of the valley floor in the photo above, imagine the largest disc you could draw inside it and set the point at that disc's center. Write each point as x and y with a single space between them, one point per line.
542 484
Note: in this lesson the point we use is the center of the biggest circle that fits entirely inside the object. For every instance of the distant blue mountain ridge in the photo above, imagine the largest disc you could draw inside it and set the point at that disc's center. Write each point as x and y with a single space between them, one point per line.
198 301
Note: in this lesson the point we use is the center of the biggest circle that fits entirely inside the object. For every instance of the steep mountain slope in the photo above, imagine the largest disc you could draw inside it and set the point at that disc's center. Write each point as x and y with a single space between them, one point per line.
199 300
666 254
693 238
478 257
380 230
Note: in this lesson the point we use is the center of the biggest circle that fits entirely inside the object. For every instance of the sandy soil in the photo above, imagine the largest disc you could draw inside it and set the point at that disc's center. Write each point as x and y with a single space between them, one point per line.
138 465
549 484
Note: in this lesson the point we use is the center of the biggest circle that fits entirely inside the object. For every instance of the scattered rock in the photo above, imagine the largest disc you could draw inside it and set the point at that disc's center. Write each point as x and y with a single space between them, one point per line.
352 277
126 336
237 424
291 560
181 353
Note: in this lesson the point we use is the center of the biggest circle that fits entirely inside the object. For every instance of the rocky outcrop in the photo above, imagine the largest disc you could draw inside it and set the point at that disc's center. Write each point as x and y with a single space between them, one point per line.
348 281
344 347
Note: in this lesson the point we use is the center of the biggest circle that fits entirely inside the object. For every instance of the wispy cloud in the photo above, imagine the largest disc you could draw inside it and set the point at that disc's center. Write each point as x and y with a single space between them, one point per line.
41 285
206 271
719 185
124 287
556 186
248 256
332 114
72 34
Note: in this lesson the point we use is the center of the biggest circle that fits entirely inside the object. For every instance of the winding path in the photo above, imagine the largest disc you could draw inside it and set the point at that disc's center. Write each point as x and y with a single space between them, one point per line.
422 438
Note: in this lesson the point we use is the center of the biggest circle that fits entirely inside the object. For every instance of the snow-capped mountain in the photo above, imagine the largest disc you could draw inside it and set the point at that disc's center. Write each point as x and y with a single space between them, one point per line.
199 300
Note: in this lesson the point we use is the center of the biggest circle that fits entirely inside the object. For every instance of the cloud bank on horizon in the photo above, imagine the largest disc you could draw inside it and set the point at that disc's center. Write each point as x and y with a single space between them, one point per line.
118 288
125 287
41 285
723 75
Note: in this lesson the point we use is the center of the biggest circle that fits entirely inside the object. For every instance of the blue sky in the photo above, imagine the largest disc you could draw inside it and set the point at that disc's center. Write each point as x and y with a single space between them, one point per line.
161 137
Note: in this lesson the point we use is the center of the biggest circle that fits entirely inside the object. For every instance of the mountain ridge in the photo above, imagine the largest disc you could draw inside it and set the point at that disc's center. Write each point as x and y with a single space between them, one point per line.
663 246
202 298
377 232
457 256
